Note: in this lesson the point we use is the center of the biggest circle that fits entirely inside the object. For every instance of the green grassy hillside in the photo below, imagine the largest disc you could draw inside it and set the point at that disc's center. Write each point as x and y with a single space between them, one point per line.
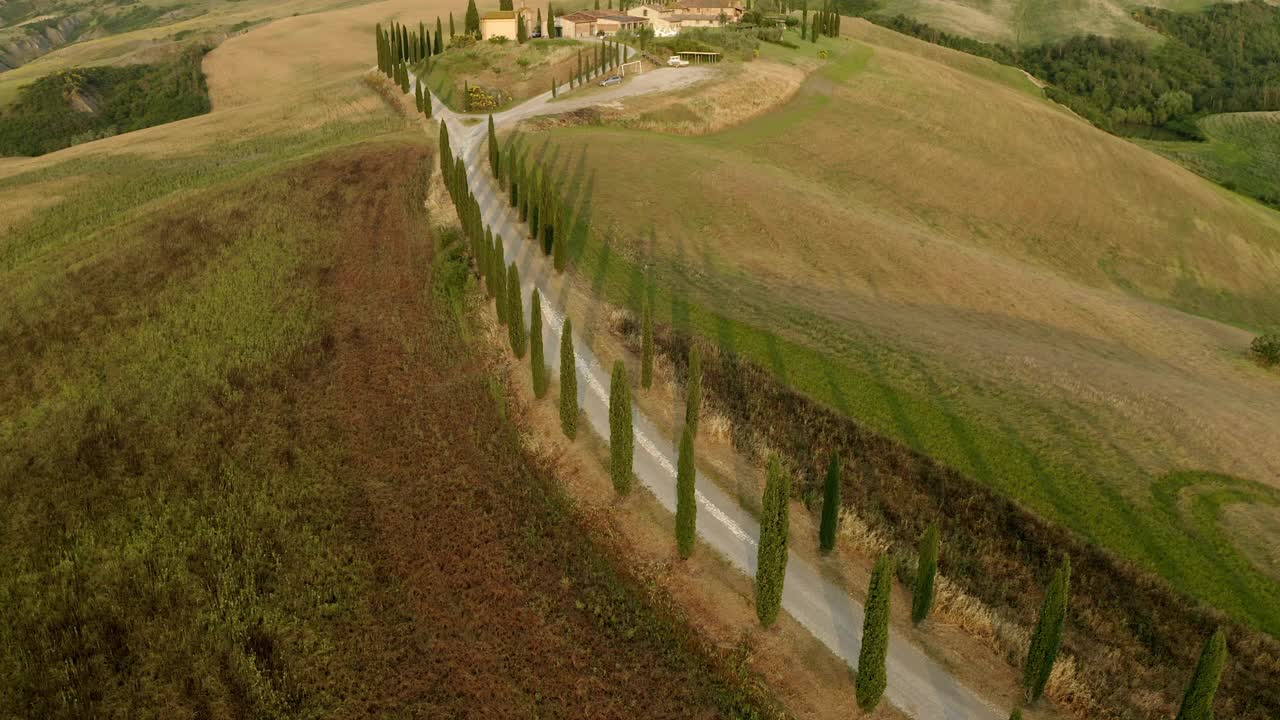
920 241
1241 152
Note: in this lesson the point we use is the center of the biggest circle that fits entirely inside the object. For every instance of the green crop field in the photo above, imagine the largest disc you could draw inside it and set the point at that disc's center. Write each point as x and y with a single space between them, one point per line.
1023 23
1242 153
922 242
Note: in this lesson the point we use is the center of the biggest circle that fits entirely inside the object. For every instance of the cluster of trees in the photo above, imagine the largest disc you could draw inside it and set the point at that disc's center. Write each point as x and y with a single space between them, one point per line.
533 191
826 22
605 56
1225 58
399 45
122 99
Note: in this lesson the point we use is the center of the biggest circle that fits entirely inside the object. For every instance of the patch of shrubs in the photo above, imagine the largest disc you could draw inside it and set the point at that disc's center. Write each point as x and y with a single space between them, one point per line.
1265 349
112 100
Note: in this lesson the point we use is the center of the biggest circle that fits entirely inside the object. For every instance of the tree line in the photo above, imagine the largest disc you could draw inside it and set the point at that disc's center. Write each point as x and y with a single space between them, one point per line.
1225 58
530 191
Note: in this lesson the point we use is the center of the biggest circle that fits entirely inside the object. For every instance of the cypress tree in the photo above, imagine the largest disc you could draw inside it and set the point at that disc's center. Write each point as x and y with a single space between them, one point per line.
830 506
404 43
537 362
1197 703
499 280
515 312
926 570
535 205
1047 637
513 180
646 347
522 32
493 147
621 434
426 104
377 31
686 497
872 676
423 50
568 382
446 153
553 87
439 44
417 95
813 30
693 400
560 250
505 5
804 19
484 262
551 23
452 32
771 555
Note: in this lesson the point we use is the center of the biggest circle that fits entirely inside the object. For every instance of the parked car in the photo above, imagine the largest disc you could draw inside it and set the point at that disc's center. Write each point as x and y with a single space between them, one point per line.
536 34
611 80
677 61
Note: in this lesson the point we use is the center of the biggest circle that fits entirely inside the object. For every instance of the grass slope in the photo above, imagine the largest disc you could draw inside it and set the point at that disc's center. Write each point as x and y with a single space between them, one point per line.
1242 153
921 242
222 425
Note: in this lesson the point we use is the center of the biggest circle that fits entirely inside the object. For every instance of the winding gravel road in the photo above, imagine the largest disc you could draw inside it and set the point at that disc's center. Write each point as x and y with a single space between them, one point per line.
918 686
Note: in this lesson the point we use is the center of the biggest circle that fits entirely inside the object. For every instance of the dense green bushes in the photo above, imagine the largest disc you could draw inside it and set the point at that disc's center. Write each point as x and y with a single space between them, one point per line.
1266 349
83 104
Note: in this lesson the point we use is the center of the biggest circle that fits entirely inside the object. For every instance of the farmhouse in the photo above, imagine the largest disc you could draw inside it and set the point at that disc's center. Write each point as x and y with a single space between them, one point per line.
589 23
661 18
722 10
505 23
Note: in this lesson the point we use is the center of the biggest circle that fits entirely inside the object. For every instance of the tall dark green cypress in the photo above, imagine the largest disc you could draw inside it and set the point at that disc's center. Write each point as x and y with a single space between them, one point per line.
499 280
446 153
484 261
471 22
621 433
804 20
771 554
926 571
693 399
1046 640
515 312
494 155
417 95
537 362
560 249
423 49
686 497
1197 703
535 206
872 674
568 382
646 346
452 33
439 44
830 506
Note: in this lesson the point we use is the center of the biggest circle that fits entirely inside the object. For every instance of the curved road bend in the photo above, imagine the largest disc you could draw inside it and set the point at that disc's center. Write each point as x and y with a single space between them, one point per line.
918 685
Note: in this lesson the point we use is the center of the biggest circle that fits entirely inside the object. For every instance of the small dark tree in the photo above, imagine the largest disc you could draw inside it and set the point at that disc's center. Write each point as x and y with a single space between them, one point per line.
537 362
439 43
693 400
621 433
551 22
485 260
1046 640
522 31
1265 349
804 20
771 554
568 382
553 88
499 280
830 506
1197 703
926 570
452 33
538 23
417 95
560 249
686 497
646 347
872 675
494 155
515 312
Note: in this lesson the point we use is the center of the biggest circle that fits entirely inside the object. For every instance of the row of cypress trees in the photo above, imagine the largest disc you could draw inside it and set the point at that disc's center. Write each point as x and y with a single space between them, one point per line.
398 44
533 192
771 560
